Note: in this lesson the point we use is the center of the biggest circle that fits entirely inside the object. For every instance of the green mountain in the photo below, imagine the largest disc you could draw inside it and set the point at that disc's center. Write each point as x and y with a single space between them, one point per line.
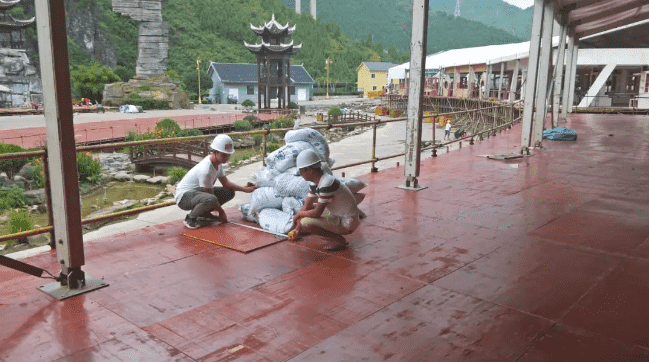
388 21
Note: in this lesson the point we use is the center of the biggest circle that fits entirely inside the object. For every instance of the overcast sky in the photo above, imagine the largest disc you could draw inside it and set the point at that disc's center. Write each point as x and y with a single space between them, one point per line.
521 3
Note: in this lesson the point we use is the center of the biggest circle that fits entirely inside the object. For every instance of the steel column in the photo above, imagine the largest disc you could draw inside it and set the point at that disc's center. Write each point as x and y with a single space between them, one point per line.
487 83
569 78
532 71
500 81
558 78
571 94
514 85
544 67
415 92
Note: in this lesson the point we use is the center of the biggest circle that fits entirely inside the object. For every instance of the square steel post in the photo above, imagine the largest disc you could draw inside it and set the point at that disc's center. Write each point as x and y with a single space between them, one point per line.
61 161
532 71
500 81
569 78
573 72
544 67
514 86
415 93
559 74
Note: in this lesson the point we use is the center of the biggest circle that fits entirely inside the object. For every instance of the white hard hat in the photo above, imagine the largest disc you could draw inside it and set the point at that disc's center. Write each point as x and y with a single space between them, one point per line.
308 158
223 143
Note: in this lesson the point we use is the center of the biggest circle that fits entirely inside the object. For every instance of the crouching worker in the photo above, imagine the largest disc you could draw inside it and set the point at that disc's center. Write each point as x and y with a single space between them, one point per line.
329 209
196 191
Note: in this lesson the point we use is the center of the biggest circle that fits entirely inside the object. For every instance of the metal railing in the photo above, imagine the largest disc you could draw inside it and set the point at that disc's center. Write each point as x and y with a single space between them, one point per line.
507 122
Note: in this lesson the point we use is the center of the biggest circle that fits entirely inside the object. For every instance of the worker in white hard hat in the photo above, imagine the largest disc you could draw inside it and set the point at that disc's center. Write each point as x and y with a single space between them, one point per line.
329 208
196 192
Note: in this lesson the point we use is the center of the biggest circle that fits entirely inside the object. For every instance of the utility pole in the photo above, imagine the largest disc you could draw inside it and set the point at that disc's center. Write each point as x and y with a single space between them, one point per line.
198 74
327 62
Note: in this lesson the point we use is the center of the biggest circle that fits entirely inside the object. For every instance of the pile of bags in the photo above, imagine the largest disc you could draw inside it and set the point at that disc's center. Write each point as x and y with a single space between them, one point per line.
281 189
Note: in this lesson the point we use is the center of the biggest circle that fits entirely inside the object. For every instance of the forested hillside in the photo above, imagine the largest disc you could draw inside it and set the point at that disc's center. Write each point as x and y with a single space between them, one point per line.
384 19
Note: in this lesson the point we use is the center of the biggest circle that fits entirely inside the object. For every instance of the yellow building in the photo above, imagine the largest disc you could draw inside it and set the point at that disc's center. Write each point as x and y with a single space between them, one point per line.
372 77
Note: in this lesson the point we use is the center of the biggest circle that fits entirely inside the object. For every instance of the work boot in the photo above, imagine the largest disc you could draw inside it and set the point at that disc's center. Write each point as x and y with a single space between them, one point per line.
209 217
191 223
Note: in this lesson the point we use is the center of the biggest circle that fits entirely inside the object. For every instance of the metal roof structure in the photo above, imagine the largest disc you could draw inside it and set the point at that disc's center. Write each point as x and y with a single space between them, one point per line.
247 73
377 66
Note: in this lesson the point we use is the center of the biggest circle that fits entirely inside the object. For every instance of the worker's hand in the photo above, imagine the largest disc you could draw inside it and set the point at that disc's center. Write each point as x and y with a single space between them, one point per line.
250 189
223 217
295 233
297 217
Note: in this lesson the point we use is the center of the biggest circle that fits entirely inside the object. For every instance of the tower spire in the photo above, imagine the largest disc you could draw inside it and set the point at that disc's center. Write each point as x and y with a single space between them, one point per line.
457 8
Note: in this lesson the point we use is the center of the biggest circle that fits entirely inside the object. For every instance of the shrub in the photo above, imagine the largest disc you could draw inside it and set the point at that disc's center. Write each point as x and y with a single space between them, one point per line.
242 125
168 125
189 132
38 175
12 166
11 197
88 168
282 122
248 103
176 174
258 138
272 147
251 119
333 111
20 220
292 105
147 103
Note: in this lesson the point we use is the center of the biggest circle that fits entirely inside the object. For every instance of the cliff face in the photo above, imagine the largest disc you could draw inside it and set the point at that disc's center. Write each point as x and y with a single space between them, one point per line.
83 28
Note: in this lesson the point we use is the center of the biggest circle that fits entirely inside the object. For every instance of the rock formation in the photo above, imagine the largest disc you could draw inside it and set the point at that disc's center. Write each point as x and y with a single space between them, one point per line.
153 40
19 82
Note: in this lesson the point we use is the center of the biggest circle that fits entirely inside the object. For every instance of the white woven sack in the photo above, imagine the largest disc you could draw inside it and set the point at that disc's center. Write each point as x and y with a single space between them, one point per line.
264 197
266 177
352 184
292 205
293 171
284 157
289 185
275 220
313 137
245 211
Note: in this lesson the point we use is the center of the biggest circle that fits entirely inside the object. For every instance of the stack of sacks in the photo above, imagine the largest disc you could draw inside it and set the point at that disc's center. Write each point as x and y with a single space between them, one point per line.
281 189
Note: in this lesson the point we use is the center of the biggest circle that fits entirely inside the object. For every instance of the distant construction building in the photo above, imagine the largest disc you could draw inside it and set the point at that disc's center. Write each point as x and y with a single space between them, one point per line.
608 77
298 7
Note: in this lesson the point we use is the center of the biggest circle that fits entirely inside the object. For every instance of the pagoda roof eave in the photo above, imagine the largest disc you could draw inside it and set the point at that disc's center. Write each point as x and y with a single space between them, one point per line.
281 48
273 27
8 4
17 24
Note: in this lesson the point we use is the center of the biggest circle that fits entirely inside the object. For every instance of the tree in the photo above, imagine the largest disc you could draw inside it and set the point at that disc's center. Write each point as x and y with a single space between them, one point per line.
89 80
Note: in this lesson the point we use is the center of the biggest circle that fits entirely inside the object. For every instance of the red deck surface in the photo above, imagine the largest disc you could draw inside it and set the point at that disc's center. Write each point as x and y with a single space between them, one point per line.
106 130
545 258
233 236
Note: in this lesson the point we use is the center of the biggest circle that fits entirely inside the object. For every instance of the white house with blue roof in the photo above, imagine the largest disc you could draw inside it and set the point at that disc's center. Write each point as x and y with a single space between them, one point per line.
236 82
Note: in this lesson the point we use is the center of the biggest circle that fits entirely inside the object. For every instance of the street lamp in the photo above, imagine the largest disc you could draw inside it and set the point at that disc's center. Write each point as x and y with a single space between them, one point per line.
198 74
327 62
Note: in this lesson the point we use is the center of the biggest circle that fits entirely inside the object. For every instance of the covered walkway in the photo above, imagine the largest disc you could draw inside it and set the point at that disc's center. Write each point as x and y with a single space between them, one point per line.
544 258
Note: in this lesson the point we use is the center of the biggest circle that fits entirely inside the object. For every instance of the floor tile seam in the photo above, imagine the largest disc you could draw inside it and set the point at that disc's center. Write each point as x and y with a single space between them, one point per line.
533 341
585 249
597 282
550 321
599 335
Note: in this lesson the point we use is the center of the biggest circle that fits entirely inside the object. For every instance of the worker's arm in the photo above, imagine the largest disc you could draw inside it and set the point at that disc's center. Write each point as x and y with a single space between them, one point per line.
232 186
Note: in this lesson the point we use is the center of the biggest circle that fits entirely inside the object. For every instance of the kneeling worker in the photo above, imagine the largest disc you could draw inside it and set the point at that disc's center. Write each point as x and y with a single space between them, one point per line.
341 216
196 191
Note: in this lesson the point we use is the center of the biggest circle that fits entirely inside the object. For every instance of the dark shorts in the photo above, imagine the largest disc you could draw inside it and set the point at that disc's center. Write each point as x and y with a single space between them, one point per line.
200 202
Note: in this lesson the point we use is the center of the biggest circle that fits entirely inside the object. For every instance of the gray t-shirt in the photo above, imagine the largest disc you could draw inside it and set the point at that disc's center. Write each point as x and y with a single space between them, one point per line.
199 177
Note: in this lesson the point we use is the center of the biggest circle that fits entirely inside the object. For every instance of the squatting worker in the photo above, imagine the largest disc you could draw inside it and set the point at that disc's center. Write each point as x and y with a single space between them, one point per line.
341 216
196 191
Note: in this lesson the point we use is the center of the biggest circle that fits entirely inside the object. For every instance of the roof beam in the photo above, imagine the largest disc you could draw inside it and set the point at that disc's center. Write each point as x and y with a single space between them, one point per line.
612 21
601 9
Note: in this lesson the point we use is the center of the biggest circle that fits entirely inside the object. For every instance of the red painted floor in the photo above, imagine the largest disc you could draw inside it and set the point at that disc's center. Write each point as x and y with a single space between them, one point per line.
107 130
544 258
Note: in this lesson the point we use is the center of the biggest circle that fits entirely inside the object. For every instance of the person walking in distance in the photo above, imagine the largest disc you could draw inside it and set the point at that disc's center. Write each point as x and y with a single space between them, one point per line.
447 130
196 192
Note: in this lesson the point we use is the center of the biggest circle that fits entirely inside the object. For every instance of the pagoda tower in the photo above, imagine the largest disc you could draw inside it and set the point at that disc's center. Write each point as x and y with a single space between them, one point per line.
274 62
12 34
